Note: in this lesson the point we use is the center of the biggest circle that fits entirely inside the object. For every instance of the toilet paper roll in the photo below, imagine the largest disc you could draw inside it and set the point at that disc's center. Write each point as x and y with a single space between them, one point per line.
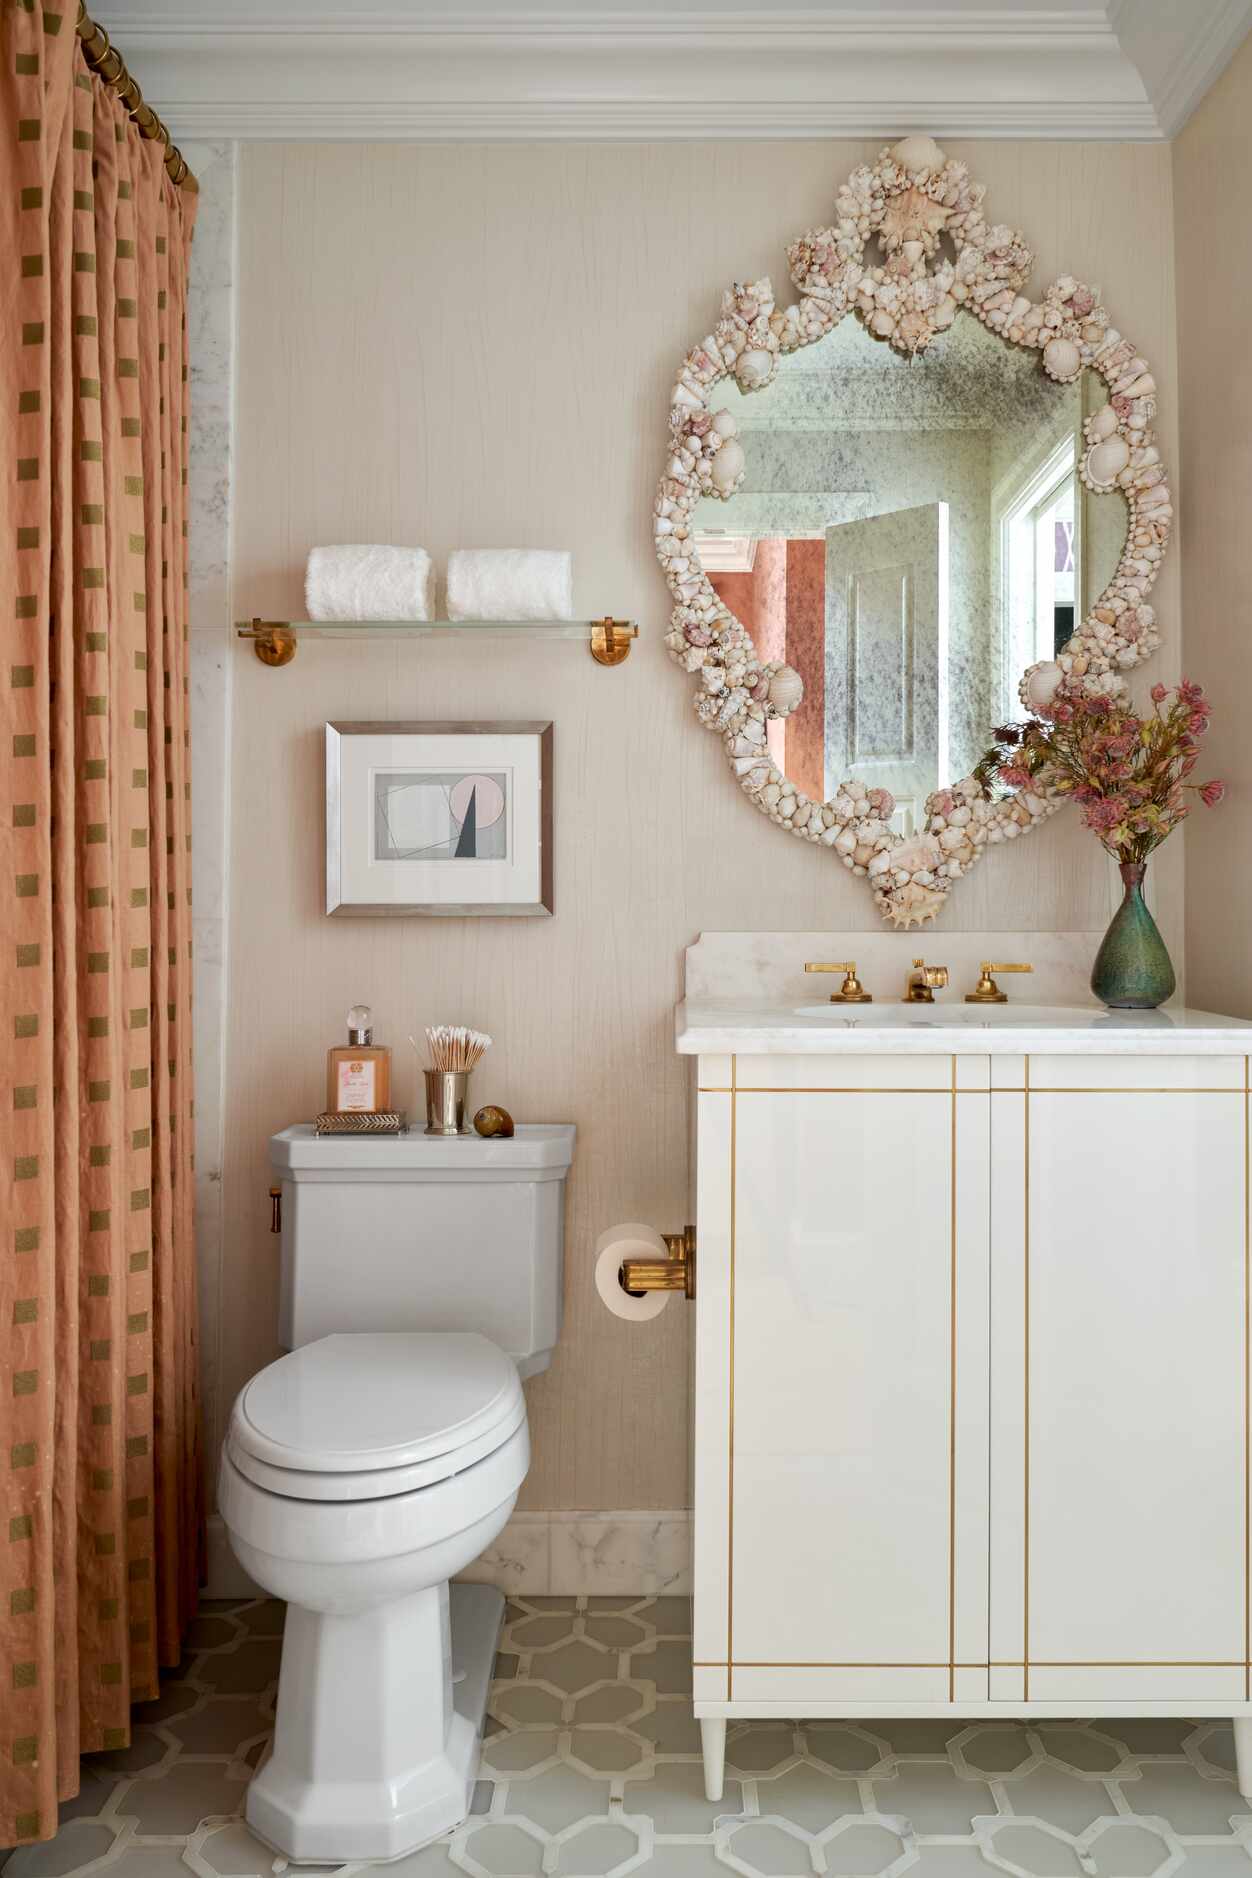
629 1241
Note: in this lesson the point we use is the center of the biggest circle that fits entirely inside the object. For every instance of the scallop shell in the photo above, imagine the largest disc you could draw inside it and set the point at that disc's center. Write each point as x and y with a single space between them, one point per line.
1062 360
1106 461
1102 423
1039 686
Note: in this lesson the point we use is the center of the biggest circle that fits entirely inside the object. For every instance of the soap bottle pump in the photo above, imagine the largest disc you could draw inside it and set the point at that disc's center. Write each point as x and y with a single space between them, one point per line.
358 1074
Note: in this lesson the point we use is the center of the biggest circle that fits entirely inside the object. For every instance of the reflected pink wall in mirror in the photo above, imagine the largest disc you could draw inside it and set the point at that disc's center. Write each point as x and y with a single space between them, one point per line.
782 603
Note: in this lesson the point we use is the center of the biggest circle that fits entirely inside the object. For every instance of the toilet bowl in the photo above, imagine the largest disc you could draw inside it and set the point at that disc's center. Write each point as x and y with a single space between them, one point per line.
360 1473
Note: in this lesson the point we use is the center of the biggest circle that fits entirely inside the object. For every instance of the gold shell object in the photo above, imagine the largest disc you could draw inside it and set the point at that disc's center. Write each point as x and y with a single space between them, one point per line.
493 1121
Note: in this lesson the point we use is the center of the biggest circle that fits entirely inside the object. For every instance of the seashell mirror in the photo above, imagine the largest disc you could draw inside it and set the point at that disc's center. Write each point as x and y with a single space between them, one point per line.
882 532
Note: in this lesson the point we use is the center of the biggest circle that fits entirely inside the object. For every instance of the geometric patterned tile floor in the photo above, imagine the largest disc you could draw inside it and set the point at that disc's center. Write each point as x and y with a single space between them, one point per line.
592 1770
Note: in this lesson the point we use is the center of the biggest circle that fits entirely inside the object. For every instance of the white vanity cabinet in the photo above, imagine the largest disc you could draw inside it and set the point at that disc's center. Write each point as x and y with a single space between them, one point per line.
972 1411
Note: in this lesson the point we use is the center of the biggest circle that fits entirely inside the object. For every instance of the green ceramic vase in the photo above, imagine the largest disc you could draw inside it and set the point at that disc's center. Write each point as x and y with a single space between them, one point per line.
1132 971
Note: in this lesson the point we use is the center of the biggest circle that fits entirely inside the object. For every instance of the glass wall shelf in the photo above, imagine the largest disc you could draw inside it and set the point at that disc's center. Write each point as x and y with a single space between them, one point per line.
275 641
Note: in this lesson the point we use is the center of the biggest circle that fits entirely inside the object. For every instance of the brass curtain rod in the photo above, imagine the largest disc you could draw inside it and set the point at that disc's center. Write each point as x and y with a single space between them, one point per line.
107 62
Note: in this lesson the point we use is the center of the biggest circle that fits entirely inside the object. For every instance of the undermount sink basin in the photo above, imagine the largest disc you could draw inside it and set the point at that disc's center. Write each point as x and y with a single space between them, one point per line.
942 1016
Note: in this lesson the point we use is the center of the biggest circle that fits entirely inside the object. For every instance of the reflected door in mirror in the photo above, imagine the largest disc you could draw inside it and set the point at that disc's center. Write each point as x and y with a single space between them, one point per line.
886 655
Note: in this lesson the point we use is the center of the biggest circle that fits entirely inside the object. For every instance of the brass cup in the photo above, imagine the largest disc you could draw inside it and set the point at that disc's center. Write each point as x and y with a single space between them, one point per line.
447 1097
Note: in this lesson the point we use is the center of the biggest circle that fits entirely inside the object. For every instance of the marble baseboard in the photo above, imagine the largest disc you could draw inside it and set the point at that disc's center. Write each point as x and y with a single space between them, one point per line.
540 1554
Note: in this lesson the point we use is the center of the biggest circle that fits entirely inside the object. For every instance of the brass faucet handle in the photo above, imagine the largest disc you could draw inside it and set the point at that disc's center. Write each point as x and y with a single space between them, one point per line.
851 991
986 991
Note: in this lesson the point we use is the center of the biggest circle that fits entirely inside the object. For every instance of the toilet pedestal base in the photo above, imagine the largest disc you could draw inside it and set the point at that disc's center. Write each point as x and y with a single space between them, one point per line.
380 1719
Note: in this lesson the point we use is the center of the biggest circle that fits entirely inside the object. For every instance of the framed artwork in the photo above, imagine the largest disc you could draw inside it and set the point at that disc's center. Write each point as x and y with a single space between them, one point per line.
449 819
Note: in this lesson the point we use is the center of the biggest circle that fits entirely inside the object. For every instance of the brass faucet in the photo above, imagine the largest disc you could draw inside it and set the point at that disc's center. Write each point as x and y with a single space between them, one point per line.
923 981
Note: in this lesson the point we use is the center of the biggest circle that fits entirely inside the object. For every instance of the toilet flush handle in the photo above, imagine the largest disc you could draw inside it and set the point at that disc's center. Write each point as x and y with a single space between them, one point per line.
276 1209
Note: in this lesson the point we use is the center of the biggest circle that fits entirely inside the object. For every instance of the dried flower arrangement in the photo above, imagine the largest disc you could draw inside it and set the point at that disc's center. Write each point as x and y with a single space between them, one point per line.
905 202
1131 775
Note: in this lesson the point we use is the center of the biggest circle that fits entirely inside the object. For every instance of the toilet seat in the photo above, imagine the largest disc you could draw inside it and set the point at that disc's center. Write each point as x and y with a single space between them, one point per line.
369 1415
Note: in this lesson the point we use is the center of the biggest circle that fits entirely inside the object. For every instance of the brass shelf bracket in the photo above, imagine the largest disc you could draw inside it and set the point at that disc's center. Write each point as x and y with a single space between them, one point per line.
675 1273
272 640
611 640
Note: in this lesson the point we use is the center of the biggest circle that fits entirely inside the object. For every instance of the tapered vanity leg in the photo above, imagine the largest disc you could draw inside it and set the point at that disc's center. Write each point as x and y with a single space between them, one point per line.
1243 1755
713 1747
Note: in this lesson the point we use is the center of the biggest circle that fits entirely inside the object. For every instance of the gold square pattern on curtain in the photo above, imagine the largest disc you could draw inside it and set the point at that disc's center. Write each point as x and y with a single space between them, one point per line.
100 1530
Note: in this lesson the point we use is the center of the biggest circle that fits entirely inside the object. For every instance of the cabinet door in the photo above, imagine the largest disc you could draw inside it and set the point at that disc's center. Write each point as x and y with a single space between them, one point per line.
1119 1381
854 1317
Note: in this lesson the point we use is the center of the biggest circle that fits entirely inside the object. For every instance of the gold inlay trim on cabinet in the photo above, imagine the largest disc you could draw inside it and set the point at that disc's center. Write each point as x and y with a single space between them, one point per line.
952 1403
1026 1382
1038 1662
1131 1662
761 1663
730 1491
1044 1088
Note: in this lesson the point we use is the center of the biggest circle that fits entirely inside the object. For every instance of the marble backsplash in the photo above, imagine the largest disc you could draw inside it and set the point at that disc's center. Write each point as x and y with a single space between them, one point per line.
763 967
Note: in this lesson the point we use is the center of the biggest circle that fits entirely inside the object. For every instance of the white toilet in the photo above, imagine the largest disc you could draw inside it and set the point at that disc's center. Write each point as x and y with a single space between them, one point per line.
421 1280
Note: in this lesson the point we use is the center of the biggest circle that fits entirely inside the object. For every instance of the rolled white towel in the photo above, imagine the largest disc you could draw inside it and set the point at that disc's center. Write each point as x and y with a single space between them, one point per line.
510 583
369 582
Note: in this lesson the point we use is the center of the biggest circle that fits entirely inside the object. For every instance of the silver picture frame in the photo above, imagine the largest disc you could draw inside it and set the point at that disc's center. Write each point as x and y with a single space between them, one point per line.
340 905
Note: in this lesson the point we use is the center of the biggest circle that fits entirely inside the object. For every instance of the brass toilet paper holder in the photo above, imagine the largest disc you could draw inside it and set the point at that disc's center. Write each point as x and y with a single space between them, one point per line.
675 1273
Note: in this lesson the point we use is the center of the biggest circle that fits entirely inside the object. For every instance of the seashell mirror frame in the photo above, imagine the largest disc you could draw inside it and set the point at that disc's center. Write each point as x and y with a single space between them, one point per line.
908 199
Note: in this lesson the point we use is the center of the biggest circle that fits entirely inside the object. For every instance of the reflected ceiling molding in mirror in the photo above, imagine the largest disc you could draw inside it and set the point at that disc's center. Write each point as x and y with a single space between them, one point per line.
939 257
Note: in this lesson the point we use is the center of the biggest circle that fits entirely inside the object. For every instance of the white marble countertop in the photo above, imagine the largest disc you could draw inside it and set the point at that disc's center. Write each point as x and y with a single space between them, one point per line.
950 1027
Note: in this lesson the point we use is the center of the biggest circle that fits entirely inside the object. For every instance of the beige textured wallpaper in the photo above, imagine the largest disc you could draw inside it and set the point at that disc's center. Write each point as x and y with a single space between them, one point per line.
1212 176
473 346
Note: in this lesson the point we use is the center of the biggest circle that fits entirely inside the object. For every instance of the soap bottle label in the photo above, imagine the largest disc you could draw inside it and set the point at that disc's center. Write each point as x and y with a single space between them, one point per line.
356 1083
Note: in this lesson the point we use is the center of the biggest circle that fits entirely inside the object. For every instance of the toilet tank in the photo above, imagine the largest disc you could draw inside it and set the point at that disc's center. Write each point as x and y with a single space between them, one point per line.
423 1232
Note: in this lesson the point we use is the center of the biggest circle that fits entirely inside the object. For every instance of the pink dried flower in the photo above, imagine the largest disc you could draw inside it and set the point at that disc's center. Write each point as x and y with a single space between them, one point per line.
1130 774
1105 813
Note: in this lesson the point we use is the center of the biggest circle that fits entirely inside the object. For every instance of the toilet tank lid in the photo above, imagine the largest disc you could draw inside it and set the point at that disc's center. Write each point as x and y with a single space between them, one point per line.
362 1400
537 1151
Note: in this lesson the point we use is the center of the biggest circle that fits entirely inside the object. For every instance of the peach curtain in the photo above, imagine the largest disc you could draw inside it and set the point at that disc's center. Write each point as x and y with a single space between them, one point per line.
101 1524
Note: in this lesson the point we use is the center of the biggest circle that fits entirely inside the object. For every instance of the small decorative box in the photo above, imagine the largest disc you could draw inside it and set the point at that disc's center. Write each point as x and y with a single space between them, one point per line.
362 1122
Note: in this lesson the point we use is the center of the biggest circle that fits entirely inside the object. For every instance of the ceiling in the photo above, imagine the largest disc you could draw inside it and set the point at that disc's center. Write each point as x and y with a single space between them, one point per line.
488 69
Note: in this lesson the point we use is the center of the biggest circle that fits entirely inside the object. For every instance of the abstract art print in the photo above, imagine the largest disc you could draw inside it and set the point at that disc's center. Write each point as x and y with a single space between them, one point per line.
450 819
441 815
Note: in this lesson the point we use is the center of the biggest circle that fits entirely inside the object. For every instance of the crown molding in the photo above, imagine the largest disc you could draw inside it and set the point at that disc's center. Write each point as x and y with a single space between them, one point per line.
469 75
1178 82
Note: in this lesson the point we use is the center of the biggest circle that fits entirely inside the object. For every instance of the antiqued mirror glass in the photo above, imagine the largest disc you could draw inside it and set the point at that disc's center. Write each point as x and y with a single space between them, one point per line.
910 535
896 511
